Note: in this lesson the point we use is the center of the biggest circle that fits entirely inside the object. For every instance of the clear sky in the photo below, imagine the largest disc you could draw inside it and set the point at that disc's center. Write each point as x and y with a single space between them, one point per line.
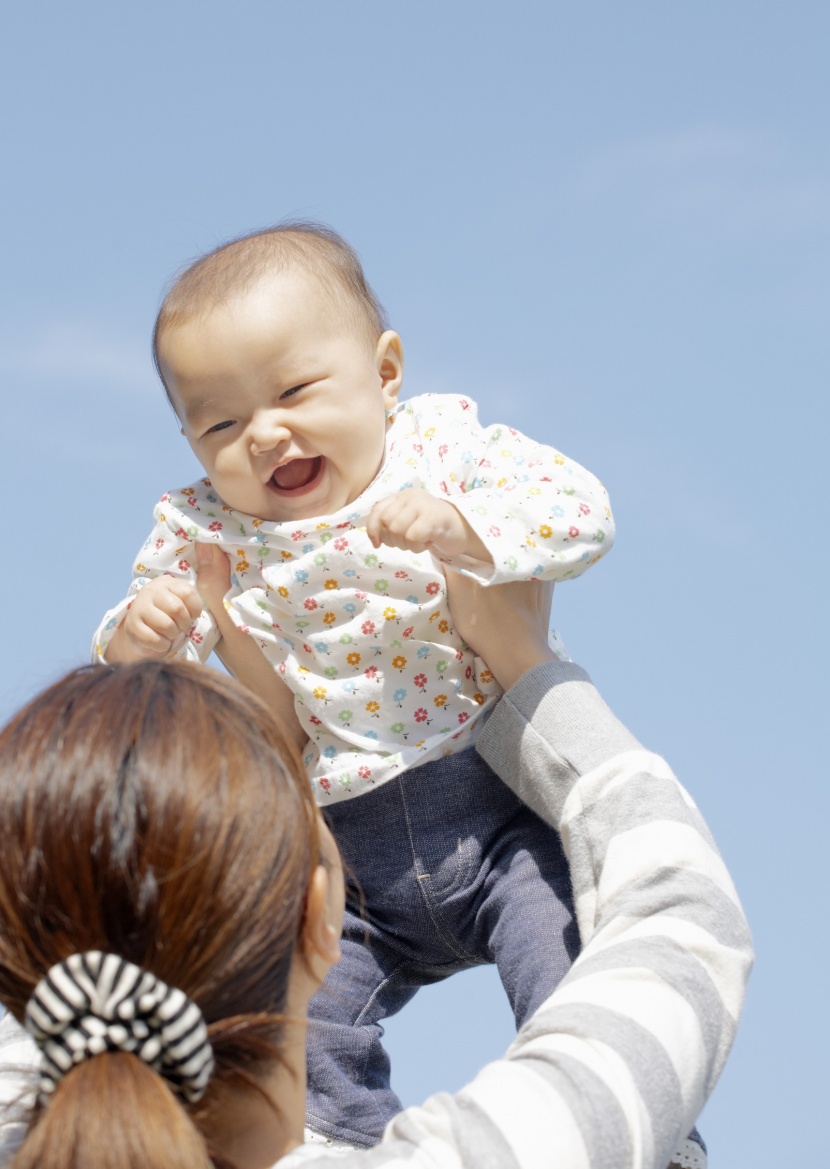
610 224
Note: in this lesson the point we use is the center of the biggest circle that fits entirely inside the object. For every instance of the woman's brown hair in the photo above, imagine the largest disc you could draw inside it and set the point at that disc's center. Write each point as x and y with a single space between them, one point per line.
154 811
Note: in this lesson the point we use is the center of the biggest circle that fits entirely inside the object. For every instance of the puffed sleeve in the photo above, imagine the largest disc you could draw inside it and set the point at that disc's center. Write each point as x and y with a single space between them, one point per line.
540 514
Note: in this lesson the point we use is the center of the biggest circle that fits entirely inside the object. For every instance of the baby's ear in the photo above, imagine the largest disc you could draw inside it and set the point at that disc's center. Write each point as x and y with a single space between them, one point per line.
389 362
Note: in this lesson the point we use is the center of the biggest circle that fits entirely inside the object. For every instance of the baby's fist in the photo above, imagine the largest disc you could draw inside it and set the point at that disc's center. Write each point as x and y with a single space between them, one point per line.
419 522
157 622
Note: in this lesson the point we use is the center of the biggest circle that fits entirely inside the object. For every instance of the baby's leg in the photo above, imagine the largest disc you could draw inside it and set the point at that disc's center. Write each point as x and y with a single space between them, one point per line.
426 850
525 914
349 1093
391 946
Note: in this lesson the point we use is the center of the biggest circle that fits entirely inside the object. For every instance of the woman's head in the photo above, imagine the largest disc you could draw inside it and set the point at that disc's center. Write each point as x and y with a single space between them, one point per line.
155 811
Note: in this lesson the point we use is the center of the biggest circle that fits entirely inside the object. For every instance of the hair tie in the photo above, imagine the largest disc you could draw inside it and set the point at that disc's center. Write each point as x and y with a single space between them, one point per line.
95 1002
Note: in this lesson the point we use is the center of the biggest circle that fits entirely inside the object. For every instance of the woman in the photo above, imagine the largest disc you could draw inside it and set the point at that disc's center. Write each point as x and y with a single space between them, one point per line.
165 866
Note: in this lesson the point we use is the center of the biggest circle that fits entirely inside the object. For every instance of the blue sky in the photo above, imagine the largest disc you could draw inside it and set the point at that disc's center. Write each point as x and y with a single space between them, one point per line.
609 224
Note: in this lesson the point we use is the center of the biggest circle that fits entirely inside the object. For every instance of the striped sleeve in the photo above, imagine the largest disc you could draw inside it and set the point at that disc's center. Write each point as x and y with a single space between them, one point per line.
653 1001
614 1068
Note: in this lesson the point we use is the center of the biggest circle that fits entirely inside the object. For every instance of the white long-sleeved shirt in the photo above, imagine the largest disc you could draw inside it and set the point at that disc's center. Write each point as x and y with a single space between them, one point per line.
613 1069
362 636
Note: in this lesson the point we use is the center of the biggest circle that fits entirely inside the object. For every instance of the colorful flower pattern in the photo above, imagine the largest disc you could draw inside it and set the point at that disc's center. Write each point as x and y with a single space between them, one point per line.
364 636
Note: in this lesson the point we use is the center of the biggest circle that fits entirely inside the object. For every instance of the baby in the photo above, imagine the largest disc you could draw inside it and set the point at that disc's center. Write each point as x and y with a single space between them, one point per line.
341 509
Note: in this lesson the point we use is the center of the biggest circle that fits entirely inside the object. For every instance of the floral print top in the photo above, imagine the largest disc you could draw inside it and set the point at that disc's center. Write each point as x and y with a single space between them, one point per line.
364 637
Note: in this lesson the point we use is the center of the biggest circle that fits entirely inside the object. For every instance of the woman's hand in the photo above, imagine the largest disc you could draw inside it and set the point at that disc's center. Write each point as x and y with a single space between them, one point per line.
213 572
507 625
237 651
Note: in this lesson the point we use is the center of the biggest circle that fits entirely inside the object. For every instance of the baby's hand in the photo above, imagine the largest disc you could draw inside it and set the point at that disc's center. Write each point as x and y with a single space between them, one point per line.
157 622
419 522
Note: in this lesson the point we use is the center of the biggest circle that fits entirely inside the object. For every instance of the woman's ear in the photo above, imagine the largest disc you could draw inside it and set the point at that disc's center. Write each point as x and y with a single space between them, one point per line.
389 363
322 926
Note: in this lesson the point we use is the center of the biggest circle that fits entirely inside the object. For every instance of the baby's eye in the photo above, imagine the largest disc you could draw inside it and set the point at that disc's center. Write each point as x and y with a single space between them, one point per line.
290 393
219 426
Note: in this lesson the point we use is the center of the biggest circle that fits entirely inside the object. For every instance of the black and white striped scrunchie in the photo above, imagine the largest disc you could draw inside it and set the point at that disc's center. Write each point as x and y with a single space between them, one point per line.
95 1002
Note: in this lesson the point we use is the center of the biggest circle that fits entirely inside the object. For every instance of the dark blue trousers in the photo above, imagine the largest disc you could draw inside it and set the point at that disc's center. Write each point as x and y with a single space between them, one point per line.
447 870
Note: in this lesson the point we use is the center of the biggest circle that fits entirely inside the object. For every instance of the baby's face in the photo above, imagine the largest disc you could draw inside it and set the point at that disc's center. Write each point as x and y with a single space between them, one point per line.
282 400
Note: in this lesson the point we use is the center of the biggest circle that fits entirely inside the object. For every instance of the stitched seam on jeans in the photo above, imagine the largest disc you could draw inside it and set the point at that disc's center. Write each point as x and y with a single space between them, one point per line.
380 986
446 937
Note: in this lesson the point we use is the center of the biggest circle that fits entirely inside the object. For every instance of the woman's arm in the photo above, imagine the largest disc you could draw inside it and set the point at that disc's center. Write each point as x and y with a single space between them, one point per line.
19 1061
614 1068
648 1013
239 653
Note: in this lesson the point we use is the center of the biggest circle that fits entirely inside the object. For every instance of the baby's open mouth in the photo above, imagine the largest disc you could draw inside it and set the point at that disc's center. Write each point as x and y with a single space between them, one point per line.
296 474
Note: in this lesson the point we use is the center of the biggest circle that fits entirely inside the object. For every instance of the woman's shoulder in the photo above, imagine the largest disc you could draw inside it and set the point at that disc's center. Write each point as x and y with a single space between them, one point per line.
18 1061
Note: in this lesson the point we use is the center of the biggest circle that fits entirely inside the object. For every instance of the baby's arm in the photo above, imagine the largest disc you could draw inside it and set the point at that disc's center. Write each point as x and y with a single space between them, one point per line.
161 616
170 620
175 605
516 509
420 522
157 622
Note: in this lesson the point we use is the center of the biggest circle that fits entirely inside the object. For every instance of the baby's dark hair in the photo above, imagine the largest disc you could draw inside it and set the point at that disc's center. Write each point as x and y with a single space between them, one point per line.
238 265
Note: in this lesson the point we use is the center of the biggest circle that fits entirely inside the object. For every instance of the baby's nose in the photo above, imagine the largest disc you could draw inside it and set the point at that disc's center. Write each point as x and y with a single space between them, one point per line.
267 431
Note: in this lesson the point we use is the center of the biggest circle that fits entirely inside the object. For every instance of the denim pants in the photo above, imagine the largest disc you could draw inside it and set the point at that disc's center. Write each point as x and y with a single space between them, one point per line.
455 872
